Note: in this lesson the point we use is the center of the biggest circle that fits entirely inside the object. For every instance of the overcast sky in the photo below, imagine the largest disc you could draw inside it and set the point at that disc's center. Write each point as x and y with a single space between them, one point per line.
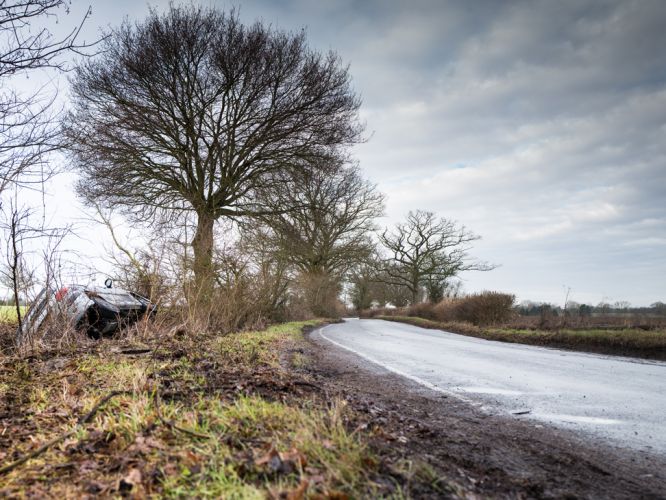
541 126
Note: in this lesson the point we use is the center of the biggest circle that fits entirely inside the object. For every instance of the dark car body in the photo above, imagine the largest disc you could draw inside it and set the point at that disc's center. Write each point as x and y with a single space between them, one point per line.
100 311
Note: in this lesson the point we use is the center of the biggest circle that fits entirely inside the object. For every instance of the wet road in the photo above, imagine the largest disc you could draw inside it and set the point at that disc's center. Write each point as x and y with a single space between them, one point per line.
619 400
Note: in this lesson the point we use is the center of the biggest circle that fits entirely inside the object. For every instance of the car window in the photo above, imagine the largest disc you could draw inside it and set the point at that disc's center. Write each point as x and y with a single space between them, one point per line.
119 299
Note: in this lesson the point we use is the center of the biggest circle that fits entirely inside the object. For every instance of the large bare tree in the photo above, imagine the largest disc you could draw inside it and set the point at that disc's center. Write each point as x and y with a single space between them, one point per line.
27 129
192 111
426 249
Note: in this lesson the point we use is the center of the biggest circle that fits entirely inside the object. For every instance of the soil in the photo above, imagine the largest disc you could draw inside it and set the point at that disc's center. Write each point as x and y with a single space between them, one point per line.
454 449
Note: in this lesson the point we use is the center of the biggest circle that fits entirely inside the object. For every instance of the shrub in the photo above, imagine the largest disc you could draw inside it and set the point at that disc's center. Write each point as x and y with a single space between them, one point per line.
485 308
446 310
421 310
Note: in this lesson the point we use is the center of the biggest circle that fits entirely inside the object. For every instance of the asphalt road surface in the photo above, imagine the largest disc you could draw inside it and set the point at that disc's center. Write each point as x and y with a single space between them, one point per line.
619 400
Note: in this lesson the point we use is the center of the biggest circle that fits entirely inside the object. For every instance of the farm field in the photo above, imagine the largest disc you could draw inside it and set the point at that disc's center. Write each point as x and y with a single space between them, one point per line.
8 314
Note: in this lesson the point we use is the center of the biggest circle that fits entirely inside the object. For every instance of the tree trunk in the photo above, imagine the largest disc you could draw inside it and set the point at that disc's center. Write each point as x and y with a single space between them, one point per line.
414 288
14 268
202 245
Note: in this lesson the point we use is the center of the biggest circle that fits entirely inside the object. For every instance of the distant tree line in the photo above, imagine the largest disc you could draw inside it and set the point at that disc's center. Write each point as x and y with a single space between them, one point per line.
528 308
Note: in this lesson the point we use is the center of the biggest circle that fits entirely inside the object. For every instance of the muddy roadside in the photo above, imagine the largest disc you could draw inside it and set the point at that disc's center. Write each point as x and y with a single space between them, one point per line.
491 455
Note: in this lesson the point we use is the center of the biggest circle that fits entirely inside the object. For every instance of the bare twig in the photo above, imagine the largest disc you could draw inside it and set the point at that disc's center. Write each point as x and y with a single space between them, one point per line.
10 467
89 416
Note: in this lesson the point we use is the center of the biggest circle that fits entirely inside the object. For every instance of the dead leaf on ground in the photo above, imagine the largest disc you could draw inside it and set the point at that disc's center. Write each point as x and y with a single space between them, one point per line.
145 444
296 494
282 462
88 466
267 457
295 457
190 458
95 487
299 493
131 480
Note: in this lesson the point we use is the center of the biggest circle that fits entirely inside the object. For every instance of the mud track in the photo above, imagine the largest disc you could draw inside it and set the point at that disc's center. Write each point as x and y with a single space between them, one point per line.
491 455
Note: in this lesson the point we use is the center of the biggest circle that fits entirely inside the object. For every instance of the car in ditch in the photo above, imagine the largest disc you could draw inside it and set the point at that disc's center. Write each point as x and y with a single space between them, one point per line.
99 311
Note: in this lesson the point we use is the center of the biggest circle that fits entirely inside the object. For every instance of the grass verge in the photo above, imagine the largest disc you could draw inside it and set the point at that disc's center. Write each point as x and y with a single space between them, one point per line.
211 417
648 344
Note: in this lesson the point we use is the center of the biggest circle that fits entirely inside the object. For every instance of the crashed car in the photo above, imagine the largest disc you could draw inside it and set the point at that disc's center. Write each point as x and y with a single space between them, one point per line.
100 311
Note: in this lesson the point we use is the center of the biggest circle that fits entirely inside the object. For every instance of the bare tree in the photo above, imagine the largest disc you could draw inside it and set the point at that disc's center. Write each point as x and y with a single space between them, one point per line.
15 273
27 129
19 271
192 111
327 230
332 215
425 249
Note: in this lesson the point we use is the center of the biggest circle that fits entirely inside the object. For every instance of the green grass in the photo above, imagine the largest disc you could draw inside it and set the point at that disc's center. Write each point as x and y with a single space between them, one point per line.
260 347
254 427
630 341
198 443
8 314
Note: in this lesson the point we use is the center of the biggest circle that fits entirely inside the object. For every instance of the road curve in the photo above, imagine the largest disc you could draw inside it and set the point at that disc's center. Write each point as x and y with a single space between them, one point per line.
620 400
